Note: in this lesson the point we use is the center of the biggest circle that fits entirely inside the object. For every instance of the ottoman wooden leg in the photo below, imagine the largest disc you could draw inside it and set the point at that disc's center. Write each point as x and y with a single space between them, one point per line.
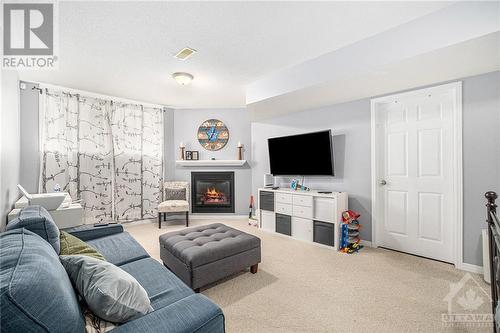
159 220
253 269
197 290
165 217
187 219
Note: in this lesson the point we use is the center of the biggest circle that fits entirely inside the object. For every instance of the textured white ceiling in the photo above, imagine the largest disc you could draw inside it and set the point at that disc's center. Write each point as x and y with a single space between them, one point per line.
126 49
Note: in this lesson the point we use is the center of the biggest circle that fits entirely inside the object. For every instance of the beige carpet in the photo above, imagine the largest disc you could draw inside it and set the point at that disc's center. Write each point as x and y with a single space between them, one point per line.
302 287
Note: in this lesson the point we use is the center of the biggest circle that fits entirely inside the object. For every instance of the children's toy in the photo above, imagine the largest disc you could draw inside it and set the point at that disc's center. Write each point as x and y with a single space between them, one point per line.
252 220
354 247
349 234
250 207
349 216
295 185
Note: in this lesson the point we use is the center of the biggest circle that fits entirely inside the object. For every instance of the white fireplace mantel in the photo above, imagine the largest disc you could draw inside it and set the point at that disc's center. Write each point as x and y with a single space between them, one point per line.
211 163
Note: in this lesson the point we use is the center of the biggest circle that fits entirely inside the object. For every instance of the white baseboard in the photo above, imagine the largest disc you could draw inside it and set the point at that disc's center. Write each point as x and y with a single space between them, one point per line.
366 243
470 268
462 266
182 216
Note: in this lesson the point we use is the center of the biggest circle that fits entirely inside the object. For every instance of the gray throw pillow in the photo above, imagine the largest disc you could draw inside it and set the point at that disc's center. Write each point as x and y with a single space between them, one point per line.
38 220
175 194
110 292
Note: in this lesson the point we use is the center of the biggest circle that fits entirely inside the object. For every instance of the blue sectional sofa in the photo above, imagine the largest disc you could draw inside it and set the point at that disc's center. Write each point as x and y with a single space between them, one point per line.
36 294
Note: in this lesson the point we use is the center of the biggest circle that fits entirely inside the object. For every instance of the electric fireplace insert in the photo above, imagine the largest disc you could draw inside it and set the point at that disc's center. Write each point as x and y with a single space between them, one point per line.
212 192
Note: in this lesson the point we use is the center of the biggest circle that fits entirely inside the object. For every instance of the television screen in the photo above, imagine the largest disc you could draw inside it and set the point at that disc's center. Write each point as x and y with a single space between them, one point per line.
302 155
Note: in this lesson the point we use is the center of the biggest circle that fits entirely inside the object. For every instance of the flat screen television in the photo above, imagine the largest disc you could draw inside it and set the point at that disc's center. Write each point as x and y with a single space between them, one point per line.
309 154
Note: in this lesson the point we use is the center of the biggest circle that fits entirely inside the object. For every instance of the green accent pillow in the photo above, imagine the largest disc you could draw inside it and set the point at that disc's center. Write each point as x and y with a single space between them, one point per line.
71 245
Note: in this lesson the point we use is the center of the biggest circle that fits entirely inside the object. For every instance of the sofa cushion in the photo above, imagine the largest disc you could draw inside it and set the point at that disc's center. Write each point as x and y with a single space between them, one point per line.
193 314
109 291
38 220
162 286
70 245
197 246
173 206
87 232
36 294
119 248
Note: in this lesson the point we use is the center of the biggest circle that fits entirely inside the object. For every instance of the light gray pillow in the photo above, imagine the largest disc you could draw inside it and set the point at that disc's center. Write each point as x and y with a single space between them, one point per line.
109 291
175 194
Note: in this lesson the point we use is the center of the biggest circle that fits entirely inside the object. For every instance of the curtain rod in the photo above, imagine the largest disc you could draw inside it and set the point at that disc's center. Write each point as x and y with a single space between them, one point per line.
72 91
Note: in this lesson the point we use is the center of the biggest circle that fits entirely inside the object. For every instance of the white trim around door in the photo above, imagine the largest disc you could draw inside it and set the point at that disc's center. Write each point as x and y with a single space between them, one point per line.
456 164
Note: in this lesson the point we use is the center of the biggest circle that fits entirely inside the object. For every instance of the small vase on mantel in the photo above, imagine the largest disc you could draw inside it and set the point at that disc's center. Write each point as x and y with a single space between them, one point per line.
240 151
182 148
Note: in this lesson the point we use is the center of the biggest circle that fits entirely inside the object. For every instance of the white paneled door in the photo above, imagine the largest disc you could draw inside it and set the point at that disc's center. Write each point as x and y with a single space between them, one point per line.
415 184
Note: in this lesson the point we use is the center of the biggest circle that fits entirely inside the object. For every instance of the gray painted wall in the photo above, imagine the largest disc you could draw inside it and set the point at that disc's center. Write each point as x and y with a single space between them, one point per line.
350 123
481 155
238 122
168 146
9 143
30 161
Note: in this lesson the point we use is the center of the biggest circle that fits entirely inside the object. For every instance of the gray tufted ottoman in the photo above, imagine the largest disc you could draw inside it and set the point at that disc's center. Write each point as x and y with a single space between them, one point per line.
202 255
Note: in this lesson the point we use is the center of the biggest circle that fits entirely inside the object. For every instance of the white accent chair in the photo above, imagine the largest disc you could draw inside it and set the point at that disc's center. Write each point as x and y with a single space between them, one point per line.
174 206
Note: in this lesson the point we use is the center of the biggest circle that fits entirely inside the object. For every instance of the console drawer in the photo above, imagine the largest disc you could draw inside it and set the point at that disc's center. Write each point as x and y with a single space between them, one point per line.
325 209
266 201
284 224
303 200
324 233
302 211
284 208
267 221
302 229
284 198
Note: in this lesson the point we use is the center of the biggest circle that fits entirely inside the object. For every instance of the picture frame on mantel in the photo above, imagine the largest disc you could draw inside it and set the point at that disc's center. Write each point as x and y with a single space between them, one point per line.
192 155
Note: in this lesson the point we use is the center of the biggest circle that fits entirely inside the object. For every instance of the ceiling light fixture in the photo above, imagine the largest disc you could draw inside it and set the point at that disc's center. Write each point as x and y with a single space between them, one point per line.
183 78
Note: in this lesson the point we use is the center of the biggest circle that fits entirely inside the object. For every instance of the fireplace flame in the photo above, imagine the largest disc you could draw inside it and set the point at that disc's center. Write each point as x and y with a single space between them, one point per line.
214 196
212 191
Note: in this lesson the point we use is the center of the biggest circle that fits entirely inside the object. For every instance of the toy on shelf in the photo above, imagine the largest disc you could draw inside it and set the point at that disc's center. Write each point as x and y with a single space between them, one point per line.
295 185
349 238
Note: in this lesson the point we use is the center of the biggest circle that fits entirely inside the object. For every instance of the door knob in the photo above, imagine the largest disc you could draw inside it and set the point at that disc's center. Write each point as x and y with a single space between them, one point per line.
383 182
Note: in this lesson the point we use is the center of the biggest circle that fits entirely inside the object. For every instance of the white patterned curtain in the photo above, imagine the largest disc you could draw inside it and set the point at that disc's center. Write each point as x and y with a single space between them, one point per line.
95 156
152 161
106 153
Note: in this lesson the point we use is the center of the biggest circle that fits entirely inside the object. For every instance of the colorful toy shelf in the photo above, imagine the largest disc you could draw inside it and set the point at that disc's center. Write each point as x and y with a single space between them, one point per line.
349 232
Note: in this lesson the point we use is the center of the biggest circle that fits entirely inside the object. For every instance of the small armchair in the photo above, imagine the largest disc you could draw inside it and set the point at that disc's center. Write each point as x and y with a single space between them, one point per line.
176 200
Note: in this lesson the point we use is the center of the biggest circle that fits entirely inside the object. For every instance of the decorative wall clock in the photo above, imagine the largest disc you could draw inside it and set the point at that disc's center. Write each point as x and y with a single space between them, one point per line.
213 134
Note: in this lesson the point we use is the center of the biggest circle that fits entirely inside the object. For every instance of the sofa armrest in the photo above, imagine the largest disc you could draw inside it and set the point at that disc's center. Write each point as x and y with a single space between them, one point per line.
89 231
195 313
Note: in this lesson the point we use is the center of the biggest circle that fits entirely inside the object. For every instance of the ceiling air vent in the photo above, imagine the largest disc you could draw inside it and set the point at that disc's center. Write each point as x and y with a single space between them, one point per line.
185 53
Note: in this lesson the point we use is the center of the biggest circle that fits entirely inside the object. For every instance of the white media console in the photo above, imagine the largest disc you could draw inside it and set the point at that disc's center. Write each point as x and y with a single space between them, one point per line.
305 215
